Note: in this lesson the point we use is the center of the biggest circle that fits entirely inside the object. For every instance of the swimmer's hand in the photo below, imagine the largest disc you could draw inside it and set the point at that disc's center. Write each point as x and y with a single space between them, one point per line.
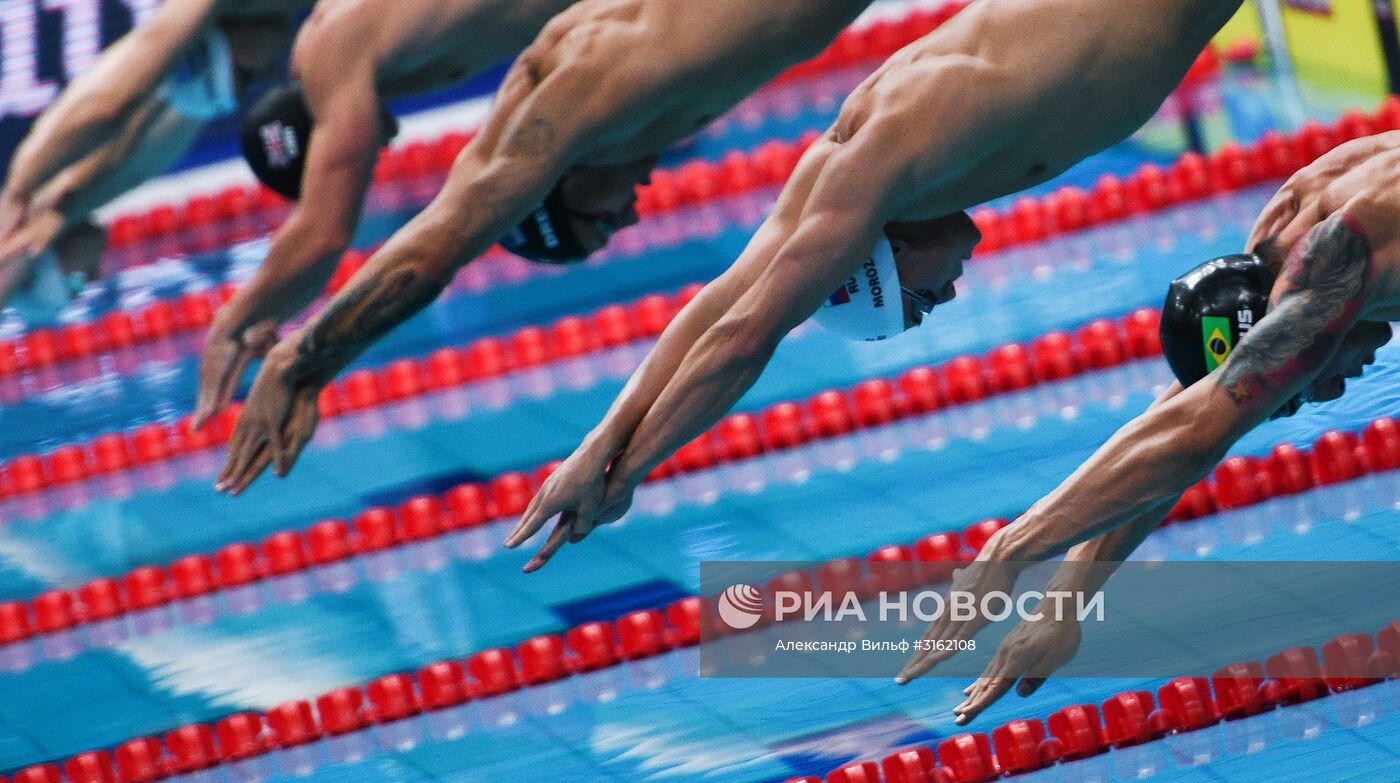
26 242
1030 653
583 493
227 352
278 420
12 213
987 574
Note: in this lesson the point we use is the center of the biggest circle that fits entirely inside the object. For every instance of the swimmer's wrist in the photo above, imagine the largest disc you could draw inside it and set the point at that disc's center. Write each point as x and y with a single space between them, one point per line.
628 470
1012 544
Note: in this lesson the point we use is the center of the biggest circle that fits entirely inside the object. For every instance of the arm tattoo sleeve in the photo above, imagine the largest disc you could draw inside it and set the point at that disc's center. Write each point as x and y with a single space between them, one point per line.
358 317
1327 276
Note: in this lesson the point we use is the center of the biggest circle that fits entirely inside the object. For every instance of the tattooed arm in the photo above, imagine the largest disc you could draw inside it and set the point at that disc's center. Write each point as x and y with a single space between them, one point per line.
1319 297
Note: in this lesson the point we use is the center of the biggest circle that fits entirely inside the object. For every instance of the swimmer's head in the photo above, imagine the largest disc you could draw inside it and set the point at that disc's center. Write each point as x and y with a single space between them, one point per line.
1211 308
581 213
275 134
911 270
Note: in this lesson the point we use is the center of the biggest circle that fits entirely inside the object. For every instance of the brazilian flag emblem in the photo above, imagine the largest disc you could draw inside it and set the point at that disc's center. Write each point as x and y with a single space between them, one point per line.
1215 332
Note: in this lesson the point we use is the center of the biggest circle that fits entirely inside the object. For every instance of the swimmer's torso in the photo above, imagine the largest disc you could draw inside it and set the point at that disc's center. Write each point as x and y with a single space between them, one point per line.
420 45
1071 102
686 61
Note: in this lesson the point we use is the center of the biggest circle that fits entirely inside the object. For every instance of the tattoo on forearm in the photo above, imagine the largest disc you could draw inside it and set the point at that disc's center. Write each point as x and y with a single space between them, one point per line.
1327 275
534 136
359 316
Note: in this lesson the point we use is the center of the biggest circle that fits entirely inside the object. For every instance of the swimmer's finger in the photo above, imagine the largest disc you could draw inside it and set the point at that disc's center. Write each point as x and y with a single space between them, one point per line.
921 664
582 523
536 515
219 372
301 426
555 542
296 444
580 530
260 459
238 451
615 505
1029 685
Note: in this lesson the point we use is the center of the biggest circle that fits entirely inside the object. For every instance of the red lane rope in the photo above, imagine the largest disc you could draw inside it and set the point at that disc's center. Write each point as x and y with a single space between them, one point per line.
832 413
1075 732
1029 220
1098 345
1130 718
57 610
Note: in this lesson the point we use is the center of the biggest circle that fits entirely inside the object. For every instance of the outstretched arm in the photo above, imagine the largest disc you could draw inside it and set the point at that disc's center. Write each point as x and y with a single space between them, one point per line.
1320 294
1036 649
525 149
1121 491
95 106
577 487
303 254
834 214
841 221
154 135
1039 646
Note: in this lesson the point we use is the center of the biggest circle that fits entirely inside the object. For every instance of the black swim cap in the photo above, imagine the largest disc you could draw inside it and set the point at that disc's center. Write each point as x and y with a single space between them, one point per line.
275 134
547 234
1209 309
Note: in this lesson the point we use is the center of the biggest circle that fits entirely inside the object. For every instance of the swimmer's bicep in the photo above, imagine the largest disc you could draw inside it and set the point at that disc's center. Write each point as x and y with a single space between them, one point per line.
1275 362
341 152
828 245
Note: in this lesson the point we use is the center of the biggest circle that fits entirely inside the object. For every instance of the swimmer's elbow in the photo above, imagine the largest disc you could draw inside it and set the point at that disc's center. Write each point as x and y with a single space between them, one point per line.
747 338
318 228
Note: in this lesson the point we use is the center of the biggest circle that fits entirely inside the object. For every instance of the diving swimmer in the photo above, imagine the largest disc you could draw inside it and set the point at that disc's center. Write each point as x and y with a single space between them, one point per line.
316 139
1007 94
577 124
125 120
1249 337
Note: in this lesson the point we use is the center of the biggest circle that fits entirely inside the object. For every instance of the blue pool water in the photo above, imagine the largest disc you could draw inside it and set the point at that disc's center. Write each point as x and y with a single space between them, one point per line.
299 636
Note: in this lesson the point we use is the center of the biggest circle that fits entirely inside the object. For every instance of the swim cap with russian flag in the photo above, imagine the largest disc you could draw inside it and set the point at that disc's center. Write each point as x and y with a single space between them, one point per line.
869 306
1209 310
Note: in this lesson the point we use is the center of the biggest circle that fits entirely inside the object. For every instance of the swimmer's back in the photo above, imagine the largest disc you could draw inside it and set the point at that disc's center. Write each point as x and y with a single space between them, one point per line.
679 63
1046 106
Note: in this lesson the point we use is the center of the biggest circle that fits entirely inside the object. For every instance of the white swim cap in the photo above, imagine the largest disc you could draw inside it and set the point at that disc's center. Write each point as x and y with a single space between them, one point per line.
869 306
201 84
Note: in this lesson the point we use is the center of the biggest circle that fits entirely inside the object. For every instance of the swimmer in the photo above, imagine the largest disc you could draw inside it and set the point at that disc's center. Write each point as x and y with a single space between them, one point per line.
349 57
1007 94
1249 337
578 122
126 119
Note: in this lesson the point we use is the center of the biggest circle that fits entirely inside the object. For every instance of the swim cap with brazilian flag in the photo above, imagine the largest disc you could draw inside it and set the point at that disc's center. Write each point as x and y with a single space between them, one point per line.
1209 310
